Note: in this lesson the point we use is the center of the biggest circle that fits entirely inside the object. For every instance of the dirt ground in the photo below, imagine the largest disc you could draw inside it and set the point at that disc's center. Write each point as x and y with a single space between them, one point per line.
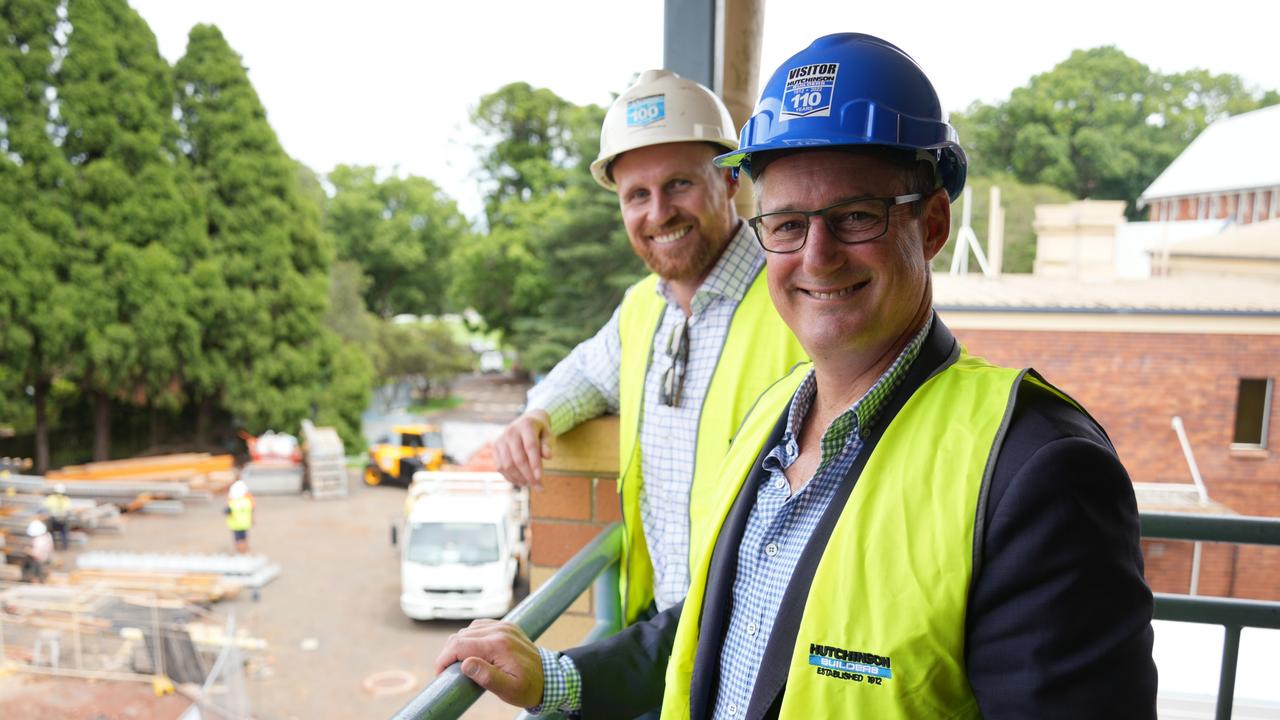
331 620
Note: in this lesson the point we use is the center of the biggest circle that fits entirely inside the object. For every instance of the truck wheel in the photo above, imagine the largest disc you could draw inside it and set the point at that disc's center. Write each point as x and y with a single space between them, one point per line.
372 476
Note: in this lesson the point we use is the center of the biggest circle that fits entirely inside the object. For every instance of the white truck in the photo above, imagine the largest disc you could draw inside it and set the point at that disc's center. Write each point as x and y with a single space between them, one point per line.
463 545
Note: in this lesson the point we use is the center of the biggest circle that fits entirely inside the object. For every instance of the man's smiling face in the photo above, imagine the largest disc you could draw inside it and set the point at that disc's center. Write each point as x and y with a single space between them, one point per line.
840 298
677 207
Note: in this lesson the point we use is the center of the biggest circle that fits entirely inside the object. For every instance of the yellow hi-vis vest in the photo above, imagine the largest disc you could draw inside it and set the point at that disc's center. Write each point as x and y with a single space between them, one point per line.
882 631
758 350
58 505
241 515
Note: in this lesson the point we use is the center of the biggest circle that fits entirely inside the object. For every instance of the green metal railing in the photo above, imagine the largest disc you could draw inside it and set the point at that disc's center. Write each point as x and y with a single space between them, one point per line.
1231 613
452 692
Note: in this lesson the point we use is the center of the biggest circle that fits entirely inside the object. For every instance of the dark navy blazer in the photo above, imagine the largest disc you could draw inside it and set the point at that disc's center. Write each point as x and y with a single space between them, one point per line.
1059 617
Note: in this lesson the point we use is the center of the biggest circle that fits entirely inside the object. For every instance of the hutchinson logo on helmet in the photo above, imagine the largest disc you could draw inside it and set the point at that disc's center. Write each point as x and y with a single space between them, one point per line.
808 90
647 111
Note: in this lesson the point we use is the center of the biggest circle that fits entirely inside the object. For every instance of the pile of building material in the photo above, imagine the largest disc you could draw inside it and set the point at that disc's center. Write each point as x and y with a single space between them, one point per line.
275 464
198 472
251 571
326 461
186 588
107 636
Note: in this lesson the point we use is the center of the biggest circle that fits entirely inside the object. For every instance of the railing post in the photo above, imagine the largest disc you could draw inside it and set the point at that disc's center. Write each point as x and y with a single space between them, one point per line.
608 604
1227 680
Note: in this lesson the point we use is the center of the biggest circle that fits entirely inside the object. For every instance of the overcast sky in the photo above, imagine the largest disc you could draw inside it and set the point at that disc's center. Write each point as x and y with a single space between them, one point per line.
390 82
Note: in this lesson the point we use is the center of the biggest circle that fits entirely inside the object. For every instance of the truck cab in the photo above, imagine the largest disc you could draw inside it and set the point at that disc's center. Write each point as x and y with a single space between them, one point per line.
463 545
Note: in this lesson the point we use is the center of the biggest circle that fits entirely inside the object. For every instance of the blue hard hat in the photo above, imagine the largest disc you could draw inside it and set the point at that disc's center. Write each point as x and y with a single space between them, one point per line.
851 89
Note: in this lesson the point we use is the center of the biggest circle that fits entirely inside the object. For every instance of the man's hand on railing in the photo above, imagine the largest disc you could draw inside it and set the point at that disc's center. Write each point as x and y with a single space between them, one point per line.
498 657
521 448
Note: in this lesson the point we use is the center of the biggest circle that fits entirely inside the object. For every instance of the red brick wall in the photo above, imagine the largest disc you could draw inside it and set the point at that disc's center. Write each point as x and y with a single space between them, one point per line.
578 499
1134 383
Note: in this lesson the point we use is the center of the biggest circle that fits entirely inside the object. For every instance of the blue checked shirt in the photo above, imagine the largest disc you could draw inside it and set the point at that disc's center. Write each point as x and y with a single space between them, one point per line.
585 385
777 530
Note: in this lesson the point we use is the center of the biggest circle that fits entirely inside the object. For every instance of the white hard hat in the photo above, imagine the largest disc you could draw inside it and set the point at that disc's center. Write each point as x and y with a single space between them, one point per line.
661 107
35 529
238 489
60 488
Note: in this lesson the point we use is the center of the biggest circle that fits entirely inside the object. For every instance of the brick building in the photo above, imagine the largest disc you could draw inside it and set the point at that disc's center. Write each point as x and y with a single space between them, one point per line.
1137 353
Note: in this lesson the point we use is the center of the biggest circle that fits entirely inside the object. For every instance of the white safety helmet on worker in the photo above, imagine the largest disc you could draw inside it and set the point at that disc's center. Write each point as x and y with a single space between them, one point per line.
36 529
238 489
661 107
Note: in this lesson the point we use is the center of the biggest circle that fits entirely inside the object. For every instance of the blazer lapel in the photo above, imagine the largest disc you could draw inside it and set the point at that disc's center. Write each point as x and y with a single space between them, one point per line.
720 576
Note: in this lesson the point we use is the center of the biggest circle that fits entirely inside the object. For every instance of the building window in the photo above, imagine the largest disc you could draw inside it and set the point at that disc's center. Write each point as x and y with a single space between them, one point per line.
1253 406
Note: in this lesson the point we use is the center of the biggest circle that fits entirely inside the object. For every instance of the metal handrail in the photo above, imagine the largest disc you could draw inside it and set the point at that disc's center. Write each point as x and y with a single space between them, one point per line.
1233 614
1246 529
451 693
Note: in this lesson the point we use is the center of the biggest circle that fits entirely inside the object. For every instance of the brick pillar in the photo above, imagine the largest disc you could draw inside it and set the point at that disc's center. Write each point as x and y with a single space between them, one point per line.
578 499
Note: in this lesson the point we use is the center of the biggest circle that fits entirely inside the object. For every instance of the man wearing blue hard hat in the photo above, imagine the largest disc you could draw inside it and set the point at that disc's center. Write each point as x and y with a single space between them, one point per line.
905 530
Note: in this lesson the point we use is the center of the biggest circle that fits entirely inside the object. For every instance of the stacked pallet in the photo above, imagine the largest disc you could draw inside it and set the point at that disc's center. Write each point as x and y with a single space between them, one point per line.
326 461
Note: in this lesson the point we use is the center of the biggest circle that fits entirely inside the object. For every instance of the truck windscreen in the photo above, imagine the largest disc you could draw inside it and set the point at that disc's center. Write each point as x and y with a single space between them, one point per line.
453 543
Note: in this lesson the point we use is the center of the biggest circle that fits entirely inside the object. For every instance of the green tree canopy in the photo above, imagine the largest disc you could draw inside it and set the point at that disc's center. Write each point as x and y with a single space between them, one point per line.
37 324
1100 124
401 231
422 354
555 237
136 211
266 354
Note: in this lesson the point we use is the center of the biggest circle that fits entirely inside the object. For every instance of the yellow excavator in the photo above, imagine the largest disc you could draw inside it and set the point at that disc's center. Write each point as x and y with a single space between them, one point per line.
393 460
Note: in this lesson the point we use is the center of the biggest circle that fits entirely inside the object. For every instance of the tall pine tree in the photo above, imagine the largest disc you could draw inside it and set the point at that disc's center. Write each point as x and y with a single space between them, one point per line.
265 353
37 316
136 213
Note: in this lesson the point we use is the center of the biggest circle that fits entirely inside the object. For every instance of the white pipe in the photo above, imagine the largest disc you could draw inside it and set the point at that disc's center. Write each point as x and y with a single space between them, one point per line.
1200 488
1195 569
1191 459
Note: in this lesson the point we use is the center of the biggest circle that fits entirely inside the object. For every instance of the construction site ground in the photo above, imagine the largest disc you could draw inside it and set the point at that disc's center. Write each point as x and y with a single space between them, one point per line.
337 640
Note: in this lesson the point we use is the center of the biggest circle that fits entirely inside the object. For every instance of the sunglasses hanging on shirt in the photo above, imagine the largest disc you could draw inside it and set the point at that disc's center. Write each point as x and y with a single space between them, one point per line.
673 380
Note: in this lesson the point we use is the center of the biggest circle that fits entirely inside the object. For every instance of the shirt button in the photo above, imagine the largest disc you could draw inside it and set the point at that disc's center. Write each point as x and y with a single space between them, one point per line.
732 709
779 483
771 549
751 629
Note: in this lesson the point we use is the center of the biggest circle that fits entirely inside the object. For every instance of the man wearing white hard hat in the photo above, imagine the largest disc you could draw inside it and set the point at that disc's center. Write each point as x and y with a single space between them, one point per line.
41 550
689 348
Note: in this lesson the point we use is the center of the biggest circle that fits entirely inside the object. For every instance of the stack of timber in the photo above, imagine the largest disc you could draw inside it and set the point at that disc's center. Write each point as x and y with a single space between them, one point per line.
200 472
252 571
169 588
326 461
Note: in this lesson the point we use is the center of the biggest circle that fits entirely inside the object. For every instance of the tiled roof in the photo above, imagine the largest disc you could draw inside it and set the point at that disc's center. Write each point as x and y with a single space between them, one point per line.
1235 153
1255 240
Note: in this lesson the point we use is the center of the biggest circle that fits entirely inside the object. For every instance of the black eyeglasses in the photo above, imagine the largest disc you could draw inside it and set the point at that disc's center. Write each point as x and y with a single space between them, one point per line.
673 379
850 221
